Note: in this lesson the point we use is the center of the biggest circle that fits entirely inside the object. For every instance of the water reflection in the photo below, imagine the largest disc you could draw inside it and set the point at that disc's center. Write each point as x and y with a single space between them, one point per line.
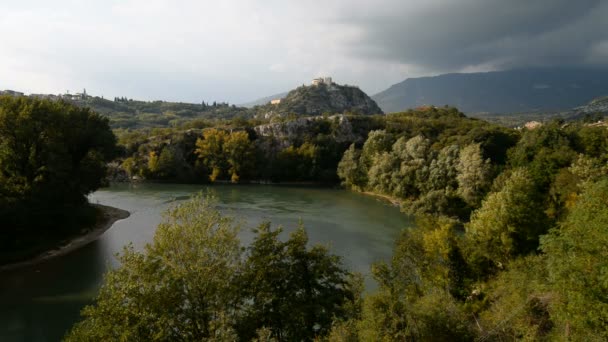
40 301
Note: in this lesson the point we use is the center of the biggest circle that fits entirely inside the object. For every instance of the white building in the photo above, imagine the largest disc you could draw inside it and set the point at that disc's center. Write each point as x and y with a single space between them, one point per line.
275 101
322 80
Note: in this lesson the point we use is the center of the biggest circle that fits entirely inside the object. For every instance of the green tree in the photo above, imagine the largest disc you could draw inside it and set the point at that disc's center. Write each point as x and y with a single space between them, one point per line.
509 222
52 154
377 142
239 153
296 292
210 152
196 282
414 300
181 287
474 174
350 171
577 263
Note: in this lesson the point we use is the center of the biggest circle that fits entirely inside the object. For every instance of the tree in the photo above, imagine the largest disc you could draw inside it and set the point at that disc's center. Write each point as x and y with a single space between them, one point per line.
52 154
413 157
474 174
349 169
239 153
509 222
296 292
576 261
181 287
414 300
195 281
377 142
210 152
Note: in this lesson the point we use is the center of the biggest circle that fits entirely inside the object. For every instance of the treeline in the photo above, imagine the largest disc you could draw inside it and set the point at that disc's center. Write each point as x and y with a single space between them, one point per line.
128 113
52 154
510 234
302 150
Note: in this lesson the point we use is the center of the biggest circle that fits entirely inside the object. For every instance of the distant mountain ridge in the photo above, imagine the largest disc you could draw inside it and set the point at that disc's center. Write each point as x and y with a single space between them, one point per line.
512 91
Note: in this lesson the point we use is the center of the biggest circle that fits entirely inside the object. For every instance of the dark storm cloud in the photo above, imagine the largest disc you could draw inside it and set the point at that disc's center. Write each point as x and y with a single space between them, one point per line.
237 50
452 35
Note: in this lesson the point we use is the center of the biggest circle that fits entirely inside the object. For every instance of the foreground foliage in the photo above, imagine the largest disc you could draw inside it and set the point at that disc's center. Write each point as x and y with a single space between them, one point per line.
52 155
509 244
196 282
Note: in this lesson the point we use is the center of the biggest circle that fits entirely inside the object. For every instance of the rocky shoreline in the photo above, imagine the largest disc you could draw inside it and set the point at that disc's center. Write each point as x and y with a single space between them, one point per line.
109 216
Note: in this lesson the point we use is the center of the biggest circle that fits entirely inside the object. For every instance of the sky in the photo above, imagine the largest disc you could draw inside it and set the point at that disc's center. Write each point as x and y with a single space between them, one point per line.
240 50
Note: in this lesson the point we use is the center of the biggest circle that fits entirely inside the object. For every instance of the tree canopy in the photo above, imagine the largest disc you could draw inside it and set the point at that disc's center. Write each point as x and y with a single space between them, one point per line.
196 282
52 154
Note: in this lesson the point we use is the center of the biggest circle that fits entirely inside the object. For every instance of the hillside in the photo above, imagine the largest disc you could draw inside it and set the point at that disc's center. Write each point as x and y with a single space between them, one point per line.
321 99
128 113
264 100
524 90
596 106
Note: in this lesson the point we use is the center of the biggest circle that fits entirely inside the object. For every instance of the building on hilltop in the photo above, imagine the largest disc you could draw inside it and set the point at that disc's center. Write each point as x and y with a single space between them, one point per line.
275 101
322 80
77 96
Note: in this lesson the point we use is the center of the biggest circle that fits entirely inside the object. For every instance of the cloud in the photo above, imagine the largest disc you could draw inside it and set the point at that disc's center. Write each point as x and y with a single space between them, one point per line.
238 50
452 35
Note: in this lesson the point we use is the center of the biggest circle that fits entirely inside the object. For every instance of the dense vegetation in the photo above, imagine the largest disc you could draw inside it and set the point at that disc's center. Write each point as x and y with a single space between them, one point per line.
196 282
128 113
52 154
510 240
302 150
509 244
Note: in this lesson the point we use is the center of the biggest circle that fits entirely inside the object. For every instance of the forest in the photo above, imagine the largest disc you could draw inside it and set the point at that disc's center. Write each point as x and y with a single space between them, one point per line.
509 243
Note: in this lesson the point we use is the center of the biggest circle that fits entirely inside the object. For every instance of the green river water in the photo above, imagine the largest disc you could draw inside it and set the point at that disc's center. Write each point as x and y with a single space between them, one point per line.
40 303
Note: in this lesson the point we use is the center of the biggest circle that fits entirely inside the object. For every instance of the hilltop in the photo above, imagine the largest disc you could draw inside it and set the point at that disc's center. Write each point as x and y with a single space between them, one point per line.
322 97
129 113
512 91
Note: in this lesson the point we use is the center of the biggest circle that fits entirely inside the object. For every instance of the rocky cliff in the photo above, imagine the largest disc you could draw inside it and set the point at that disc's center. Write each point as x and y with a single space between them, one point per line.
322 99
286 133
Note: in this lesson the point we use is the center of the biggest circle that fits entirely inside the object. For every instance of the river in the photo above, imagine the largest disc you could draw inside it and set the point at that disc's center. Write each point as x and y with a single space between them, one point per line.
40 303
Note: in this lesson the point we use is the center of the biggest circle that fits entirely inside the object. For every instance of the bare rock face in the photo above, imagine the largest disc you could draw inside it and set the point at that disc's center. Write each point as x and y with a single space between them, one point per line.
287 132
322 99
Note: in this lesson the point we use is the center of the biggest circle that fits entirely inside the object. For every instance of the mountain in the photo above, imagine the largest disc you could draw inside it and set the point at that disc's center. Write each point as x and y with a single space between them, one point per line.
263 100
596 106
320 99
521 90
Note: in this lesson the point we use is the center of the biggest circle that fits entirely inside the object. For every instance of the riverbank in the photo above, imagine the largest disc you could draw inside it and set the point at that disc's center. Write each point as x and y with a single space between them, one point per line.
393 200
107 217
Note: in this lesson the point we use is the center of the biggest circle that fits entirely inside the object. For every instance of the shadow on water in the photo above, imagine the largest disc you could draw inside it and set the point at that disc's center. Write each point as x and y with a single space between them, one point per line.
42 302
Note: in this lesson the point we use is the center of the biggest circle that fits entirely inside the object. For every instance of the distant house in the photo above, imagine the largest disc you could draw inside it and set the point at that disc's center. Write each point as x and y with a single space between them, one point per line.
11 93
532 124
275 101
77 96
